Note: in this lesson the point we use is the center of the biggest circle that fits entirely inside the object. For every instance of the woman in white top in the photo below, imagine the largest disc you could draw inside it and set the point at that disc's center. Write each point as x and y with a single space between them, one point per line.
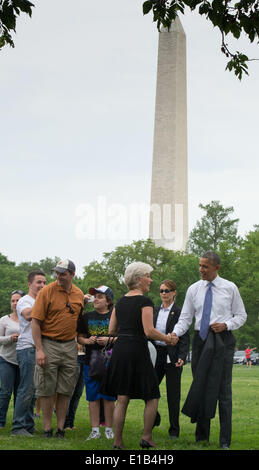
9 369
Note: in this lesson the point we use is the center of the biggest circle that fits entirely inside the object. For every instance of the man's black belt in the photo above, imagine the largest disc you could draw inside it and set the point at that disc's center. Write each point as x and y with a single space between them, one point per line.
58 340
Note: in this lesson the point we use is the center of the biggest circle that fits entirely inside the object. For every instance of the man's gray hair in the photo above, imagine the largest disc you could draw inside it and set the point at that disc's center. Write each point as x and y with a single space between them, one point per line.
212 257
134 271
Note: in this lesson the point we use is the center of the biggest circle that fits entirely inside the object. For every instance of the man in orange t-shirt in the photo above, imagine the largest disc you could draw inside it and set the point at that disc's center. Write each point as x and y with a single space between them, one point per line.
54 322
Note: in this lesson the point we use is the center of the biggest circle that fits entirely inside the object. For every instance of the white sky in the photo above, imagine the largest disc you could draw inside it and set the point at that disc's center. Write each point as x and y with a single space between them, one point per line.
77 102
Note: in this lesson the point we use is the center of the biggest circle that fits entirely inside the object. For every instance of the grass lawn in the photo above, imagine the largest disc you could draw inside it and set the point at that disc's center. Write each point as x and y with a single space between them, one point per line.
245 435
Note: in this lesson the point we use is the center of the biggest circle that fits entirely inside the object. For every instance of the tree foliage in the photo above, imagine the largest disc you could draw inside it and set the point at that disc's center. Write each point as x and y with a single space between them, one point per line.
229 17
214 228
246 276
9 11
46 265
14 277
11 279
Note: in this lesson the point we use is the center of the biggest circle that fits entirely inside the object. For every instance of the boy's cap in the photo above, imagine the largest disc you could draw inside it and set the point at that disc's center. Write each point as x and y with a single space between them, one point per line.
102 289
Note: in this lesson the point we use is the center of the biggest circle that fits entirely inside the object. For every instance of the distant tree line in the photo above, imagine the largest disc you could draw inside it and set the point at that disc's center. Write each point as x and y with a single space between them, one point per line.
215 231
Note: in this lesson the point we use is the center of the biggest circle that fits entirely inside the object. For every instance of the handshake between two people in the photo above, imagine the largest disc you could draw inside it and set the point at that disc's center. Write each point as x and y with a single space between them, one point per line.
172 339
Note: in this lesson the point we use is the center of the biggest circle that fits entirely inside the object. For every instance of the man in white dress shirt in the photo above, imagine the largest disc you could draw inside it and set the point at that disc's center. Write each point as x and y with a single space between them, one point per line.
227 314
23 420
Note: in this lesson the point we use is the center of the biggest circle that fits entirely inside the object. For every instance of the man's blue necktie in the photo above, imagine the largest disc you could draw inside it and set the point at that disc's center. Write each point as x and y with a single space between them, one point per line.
205 319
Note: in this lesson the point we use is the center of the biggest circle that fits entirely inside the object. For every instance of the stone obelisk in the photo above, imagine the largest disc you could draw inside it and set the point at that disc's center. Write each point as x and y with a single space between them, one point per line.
168 224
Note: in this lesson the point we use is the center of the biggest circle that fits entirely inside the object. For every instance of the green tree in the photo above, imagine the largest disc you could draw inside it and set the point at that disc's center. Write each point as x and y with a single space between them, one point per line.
46 265
14 277
11 279
234 18
246 276
214 228
9 10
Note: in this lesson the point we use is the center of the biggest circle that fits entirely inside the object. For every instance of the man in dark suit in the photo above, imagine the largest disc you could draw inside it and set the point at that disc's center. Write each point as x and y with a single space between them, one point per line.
170 359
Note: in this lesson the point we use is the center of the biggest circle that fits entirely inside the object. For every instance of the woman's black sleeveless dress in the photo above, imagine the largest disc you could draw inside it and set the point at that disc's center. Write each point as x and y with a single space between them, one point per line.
130 371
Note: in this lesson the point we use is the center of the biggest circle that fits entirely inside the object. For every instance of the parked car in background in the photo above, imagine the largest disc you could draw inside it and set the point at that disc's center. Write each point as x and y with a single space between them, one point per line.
239 357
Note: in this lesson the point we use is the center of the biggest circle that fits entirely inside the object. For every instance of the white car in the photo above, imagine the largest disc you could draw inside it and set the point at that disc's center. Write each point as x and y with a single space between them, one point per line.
239 357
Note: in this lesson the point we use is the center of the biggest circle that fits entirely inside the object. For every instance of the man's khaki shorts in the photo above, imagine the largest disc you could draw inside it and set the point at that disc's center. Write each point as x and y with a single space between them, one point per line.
61 371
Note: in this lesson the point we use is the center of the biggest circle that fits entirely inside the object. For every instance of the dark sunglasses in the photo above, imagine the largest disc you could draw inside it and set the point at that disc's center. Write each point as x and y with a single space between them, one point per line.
20 292
70 308
166 291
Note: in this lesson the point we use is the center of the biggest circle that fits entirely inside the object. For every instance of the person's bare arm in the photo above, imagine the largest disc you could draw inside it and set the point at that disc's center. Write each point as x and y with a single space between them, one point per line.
26 313
150 330
113 325
41 358
84 341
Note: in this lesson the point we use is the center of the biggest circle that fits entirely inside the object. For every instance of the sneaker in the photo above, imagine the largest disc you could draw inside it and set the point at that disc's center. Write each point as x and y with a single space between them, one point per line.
109 433
94 435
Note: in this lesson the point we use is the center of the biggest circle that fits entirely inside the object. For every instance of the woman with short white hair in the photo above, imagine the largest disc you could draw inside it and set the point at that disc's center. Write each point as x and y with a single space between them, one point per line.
130 374
135 271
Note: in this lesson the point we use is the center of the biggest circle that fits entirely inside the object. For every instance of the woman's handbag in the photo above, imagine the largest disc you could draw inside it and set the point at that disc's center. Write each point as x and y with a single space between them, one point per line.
99 360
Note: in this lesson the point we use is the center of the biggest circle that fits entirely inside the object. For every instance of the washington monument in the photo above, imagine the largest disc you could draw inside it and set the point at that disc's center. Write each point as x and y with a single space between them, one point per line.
168 224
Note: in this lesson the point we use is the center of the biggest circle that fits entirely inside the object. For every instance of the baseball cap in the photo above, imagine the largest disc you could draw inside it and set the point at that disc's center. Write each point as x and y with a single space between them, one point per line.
102 289
65 265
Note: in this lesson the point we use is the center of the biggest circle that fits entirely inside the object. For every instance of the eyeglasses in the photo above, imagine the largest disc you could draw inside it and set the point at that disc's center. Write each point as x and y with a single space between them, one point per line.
20 292
70 308
166 291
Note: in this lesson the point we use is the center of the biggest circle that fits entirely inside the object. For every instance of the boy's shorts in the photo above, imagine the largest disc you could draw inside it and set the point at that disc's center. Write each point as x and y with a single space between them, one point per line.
92 388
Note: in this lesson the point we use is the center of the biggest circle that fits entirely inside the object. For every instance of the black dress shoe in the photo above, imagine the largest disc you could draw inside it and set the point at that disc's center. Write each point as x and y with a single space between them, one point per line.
60 434
145 444
48 433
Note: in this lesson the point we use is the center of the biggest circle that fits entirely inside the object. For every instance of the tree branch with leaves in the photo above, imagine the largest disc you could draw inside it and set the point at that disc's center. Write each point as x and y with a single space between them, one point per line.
229 17
9 11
